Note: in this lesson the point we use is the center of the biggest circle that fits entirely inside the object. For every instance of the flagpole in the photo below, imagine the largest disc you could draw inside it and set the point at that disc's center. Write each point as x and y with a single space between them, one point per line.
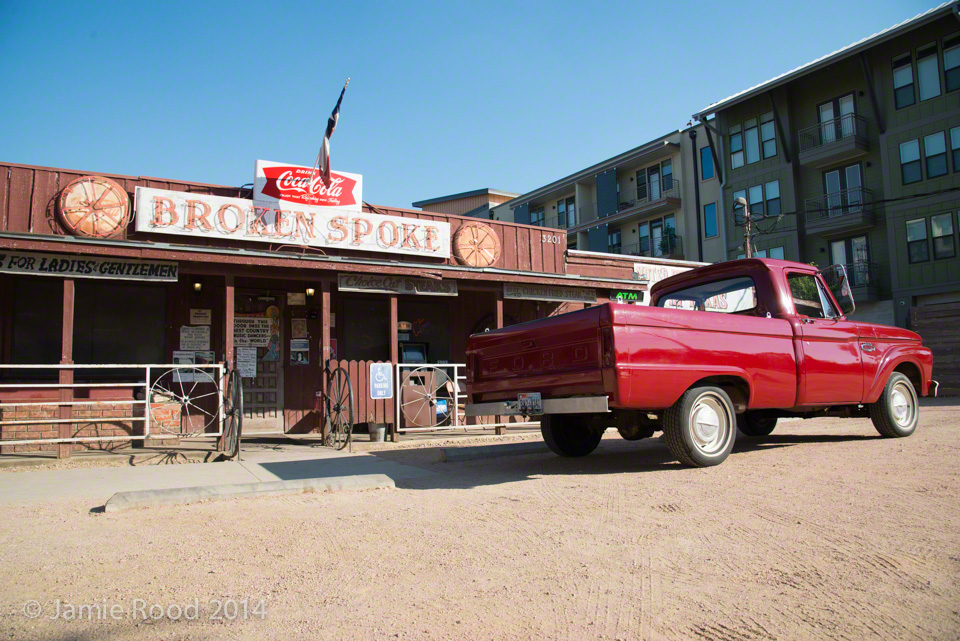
316 164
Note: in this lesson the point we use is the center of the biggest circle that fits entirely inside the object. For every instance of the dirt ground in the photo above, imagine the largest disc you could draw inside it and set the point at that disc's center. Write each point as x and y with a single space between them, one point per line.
822 531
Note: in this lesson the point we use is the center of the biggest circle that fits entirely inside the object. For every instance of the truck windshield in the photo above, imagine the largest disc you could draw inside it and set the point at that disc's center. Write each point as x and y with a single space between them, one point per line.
728 296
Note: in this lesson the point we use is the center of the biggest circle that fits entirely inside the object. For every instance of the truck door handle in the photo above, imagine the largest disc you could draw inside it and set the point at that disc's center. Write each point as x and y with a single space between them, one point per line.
867 347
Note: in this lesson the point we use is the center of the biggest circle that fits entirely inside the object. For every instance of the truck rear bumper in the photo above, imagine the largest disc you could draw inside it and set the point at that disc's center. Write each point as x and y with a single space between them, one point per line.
574 405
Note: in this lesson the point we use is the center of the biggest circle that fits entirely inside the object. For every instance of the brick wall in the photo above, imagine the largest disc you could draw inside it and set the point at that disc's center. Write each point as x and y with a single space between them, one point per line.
80 429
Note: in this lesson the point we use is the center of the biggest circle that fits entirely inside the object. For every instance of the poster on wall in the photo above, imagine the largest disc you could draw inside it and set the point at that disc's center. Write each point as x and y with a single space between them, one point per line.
247 362
296 298
183 357
251 331
273 347
299 351
298 328
195 339
200 316
205 358
333 349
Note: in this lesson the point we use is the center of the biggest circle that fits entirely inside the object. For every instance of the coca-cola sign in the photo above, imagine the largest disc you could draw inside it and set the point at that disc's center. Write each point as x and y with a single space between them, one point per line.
279 185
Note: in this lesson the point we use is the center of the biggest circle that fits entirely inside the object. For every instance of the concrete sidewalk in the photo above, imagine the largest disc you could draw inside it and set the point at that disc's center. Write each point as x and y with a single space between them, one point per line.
100 483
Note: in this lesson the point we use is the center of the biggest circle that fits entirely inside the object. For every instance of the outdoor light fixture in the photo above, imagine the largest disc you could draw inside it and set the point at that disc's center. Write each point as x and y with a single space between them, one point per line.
310 292
197 286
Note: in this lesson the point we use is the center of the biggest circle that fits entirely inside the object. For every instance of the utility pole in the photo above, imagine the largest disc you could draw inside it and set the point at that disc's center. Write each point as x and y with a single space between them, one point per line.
742 202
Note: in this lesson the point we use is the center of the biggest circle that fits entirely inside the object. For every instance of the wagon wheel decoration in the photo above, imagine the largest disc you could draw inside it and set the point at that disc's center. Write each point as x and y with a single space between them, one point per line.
339 409
232 414
177 402
425 399
93 206
476 245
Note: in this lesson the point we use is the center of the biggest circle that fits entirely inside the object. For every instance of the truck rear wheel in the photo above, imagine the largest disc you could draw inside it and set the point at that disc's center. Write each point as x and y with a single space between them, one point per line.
896 412
756 424
569 435
700 428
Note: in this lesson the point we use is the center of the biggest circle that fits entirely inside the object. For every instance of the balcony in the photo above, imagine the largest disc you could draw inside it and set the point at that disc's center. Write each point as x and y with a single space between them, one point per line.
840 212
561 222
650 198
670 246
833 141
865 280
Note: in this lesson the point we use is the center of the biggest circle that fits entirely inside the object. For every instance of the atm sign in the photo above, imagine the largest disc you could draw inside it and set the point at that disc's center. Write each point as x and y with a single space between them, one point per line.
626 297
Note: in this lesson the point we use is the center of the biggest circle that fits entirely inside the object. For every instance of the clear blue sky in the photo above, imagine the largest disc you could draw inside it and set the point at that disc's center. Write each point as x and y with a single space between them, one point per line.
444 97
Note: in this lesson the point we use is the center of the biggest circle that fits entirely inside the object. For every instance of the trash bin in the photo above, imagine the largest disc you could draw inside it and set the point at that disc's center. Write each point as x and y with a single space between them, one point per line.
378 432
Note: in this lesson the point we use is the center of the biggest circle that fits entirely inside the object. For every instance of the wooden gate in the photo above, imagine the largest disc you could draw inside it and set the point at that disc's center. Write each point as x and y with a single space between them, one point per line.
937 325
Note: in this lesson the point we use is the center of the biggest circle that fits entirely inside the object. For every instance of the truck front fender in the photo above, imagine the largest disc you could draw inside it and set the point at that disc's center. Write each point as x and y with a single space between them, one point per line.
919 370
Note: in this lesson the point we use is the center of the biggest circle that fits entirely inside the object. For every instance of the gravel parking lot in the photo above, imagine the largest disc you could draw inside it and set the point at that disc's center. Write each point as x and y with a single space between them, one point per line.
824 530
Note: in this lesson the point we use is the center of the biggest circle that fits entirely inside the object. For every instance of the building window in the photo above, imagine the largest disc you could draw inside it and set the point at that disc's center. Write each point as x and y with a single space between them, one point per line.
903 82
917 249
755 198
706 163
666 169
566 213
644 239
641 185
768 136
736 147
775 252
955 147
942 227
928 73
910 162
613 241
935 153
710 220
772 190
753 144
951 63
536 216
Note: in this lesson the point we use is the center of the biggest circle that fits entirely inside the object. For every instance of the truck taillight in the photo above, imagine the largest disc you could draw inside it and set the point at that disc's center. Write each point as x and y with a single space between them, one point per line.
606 343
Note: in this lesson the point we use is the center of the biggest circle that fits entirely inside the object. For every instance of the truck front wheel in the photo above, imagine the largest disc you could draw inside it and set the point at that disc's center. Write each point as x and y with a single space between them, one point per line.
896 412
570 435
700 428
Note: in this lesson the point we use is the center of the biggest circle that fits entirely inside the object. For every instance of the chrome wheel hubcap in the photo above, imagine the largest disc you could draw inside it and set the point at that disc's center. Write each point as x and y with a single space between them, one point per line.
709 424
903 405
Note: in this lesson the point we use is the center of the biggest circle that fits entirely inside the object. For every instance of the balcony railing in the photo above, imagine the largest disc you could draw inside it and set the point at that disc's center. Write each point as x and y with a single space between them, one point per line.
862 274
668 247
565 221
649 193
838 203
831 131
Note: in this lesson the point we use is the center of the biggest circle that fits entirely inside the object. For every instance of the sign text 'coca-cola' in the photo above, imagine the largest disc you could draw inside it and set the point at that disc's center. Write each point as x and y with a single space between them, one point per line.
280 186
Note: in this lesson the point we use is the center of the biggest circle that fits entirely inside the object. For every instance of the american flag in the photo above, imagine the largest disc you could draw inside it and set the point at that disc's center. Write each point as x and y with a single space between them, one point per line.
323 158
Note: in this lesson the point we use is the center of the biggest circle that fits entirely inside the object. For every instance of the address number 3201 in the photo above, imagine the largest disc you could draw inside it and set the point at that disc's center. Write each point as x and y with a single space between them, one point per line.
552 238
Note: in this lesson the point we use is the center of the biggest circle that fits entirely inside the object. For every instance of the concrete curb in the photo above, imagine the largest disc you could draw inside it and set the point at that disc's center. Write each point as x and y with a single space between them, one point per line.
185 495
476 452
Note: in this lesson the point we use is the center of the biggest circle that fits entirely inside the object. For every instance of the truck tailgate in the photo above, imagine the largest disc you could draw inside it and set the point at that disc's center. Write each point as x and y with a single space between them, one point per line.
557 356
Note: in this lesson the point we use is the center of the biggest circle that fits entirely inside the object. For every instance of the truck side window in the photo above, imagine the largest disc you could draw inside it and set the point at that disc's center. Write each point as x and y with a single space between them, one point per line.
728 296
809 299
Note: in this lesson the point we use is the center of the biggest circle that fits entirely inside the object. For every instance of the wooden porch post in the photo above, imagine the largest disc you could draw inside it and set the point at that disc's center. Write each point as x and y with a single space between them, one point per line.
66 375
229 302
324 348
500 419
394 358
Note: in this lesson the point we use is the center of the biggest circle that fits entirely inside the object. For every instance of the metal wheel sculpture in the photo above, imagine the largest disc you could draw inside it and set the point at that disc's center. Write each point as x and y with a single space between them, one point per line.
183 401
426 399
232 414
339 409
94 206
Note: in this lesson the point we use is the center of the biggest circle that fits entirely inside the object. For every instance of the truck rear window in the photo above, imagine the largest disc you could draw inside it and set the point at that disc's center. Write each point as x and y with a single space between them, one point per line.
728 296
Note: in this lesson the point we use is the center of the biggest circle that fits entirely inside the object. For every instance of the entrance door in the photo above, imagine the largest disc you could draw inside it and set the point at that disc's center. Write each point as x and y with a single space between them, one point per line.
263 395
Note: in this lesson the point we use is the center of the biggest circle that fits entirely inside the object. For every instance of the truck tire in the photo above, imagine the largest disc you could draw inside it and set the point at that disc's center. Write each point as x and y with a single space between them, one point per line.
756 424
897 411
569 435
700 428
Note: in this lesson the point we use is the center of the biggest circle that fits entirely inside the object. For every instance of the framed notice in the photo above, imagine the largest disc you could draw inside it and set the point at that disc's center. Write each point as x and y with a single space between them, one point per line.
251 331
200 316
299 351
195 339
247 362
296 298
298 327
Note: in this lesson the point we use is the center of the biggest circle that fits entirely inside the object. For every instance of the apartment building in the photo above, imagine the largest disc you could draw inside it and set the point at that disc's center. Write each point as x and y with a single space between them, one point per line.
850 159
661 200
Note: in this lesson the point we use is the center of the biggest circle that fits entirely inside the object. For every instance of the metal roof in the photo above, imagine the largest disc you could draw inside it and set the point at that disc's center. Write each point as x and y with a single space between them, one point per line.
830 58
466 194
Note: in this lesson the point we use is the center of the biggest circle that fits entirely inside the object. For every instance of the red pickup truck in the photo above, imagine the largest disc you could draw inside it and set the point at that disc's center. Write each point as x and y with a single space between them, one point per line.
733 345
